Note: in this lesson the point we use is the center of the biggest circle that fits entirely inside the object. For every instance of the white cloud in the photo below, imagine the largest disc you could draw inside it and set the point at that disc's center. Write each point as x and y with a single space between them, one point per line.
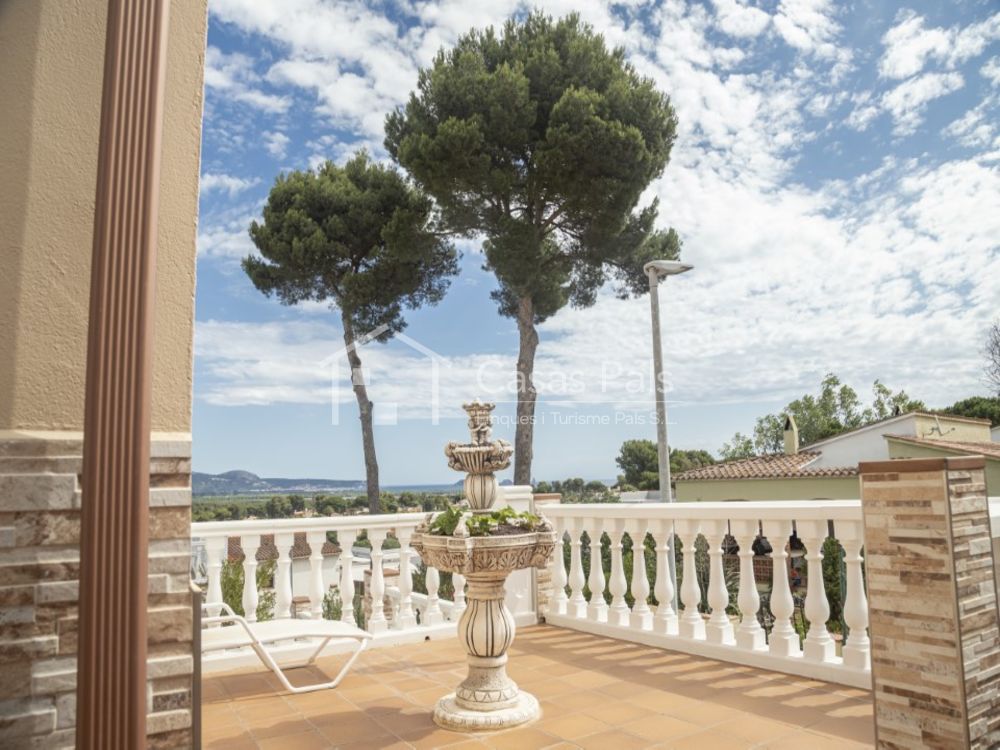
226 183
977 127
276 143
234 76
225 234
909 45
907 102
740 20
991 70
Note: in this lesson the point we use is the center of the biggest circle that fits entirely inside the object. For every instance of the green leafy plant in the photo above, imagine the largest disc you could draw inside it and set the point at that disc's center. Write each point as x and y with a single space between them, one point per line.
498 522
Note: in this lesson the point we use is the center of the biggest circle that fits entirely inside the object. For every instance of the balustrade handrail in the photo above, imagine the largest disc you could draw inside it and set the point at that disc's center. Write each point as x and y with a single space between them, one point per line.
208 529
811 510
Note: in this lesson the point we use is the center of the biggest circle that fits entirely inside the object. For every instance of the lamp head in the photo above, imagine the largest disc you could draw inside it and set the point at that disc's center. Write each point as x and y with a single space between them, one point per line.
666 267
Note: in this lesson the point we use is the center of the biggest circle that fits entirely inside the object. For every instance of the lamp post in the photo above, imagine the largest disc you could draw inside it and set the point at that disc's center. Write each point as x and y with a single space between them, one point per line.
656 270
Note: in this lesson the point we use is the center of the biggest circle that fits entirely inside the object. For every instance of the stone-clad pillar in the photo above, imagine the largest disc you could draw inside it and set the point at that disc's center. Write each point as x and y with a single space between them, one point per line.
933 602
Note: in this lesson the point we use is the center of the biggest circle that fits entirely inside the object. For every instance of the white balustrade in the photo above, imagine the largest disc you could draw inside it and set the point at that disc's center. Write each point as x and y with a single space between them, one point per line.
641 616
317 591
558 601
819 645
784 641
857 650
346 539
721 636
250 544
577 601
377 622
313 576
618 613
432 612
458 603
750 635
216 551
283 576
597 608
719 629
665 622
691 624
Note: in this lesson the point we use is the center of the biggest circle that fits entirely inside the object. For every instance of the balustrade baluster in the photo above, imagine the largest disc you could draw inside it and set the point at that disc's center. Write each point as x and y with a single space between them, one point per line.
691 624
784 641
346 539
317 590
251 598
641 617
577 602
719 629
665 621
857 649
597 608
283 576
618 614
407 618
459 601
376 621
216 552
558 601
749 635
819 645
433 614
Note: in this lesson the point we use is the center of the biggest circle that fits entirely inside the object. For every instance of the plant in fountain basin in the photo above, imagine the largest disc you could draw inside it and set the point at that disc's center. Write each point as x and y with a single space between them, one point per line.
503 522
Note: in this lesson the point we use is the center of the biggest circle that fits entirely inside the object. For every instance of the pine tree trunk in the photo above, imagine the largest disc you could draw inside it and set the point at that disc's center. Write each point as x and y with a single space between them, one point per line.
526 394
365 410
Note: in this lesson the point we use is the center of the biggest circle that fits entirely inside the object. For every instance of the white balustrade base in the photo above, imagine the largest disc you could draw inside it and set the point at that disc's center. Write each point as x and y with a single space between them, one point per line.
833 670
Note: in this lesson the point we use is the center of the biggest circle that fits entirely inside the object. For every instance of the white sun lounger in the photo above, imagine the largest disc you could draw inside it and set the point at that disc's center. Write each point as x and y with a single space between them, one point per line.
232 631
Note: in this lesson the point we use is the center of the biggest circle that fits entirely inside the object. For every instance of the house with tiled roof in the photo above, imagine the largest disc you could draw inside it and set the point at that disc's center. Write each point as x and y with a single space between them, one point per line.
828 469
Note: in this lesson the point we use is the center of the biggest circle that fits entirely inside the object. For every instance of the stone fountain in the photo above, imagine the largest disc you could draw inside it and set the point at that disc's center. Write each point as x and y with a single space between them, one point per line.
487 698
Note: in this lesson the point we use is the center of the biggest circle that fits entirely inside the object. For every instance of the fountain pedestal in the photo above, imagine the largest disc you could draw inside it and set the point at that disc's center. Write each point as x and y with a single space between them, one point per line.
487 698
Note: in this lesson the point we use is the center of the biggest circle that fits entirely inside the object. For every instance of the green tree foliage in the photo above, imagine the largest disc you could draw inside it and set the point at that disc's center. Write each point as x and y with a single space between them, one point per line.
575 490
979 407
836 409
639 463
278 507
362 239
542 140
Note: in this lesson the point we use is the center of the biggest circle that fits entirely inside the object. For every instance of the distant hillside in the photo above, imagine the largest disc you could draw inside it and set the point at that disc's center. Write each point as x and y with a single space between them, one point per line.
245 482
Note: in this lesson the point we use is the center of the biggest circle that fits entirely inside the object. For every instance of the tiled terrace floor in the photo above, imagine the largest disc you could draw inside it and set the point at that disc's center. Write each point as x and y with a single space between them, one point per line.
595 693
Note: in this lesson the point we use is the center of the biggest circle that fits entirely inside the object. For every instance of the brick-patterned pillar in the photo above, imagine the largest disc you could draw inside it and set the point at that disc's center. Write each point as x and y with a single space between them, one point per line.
933 602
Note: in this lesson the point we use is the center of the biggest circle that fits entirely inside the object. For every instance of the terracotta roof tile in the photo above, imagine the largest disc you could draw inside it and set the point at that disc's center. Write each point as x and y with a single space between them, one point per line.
990 449
775 466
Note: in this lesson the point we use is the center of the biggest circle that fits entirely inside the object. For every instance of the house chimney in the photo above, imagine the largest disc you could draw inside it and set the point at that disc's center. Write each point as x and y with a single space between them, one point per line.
791 435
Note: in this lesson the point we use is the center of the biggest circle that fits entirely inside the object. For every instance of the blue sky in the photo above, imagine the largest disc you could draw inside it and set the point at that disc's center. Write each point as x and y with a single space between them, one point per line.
836 182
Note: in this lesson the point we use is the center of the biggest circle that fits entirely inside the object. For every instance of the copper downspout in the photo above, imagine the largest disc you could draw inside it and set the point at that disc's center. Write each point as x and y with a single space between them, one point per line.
111 671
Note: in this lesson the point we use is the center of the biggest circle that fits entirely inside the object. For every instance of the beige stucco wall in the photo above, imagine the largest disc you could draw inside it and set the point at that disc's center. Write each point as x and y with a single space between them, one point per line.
900 449
52 58
819 488
953 429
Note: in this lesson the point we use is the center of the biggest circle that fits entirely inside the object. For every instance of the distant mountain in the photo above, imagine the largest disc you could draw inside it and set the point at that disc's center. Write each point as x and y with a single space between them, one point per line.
246 482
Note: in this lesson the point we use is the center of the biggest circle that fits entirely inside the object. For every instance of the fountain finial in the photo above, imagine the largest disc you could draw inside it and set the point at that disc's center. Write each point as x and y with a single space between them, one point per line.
480 457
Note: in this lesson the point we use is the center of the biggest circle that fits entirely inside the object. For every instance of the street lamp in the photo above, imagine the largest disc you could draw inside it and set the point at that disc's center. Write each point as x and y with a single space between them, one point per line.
656 270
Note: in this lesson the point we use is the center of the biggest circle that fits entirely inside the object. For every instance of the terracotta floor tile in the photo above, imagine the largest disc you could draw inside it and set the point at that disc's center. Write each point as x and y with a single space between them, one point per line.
526 738
572 726
659 728
613 739
620 713
577 701
757 729
712 739
352 728
301 741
